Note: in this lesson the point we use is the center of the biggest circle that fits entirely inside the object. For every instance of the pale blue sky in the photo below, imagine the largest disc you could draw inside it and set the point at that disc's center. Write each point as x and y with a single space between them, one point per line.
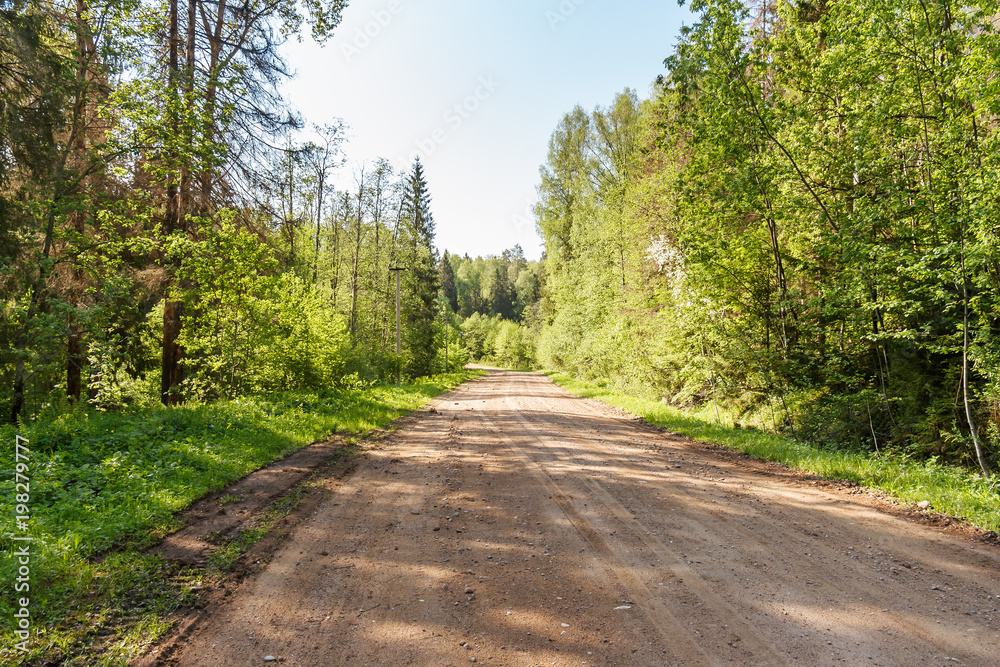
477 88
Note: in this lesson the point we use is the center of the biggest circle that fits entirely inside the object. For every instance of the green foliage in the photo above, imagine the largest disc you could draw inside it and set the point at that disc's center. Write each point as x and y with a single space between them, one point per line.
513 346
803 216
251 330
508 285
499 341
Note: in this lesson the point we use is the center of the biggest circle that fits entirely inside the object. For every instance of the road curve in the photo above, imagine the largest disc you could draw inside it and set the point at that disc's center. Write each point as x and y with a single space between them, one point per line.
514 524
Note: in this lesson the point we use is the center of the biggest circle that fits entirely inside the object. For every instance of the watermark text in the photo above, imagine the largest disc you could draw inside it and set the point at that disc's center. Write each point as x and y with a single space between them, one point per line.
364 35
453 118
22 552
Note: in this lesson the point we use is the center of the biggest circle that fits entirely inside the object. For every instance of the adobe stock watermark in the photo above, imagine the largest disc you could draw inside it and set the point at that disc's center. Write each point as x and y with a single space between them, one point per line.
373 27
453 118
561 14
22 540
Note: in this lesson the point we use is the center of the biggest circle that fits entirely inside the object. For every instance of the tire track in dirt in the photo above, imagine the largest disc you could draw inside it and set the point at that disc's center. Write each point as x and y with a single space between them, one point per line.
920 629
623 563
665 622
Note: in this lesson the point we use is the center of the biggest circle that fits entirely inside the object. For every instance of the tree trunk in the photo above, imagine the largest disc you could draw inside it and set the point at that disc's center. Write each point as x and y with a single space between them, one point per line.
185 204
74 360
319 220
211 93
170 372
357 258
171 375
74 337
980 457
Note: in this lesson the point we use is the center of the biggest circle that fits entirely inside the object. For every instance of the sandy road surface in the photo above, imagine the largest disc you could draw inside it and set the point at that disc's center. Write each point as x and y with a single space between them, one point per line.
537 529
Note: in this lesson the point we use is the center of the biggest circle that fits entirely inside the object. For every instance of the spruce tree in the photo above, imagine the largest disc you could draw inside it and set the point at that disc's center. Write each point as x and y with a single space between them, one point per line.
446 275
420 306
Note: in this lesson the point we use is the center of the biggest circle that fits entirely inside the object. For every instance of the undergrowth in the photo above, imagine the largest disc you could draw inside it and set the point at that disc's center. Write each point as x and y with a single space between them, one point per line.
952 490
104 487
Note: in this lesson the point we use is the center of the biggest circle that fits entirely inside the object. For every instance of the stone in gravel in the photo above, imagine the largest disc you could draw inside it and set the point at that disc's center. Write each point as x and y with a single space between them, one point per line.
469 591
565 625
270 658
924 504
414 511
437 528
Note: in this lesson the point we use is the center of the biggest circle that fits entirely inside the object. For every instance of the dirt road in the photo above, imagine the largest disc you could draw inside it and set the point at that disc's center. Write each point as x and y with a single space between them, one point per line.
516 525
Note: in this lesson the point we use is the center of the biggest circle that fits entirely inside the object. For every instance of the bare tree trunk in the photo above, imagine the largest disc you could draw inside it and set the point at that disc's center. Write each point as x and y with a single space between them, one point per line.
214 34
980 457
170 373
171 376
185 190
290 220
74 337
319 219
388 285
335 281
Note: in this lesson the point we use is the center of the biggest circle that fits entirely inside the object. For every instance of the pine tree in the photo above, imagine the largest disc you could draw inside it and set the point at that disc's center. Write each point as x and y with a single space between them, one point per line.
502 292
446 275
420 310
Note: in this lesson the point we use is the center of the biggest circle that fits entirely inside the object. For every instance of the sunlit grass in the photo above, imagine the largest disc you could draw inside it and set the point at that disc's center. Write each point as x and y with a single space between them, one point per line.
954 491
105 486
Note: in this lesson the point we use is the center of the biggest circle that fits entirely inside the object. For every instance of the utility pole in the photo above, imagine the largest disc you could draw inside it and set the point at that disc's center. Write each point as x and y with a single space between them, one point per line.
397 269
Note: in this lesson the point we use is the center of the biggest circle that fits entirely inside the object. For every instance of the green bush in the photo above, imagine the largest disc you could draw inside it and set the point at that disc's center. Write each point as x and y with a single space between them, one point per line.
499 341
513 346
249 329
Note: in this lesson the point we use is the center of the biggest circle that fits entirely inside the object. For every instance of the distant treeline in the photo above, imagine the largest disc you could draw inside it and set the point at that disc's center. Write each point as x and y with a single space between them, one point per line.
497 301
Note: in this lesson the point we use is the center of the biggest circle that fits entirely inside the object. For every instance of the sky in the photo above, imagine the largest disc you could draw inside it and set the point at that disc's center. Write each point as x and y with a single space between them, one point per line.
475 89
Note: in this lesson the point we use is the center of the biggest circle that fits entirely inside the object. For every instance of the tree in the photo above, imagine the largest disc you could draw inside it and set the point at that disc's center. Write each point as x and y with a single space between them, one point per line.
422 276
502 294
446 276
54 79
223 105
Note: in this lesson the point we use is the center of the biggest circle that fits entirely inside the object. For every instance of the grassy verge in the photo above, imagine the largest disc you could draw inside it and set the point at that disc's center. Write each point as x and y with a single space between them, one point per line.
105 487
953 491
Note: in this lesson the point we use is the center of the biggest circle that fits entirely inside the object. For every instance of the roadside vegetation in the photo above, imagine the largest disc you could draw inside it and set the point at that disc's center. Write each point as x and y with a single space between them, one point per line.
949 489
799 226
106 486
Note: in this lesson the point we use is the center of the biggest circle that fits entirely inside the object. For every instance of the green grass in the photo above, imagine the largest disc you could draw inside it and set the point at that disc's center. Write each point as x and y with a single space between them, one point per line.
953 491
105 486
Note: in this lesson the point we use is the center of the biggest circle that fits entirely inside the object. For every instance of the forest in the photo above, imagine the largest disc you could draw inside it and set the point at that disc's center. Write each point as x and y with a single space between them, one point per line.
169 230
797 228
795 231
